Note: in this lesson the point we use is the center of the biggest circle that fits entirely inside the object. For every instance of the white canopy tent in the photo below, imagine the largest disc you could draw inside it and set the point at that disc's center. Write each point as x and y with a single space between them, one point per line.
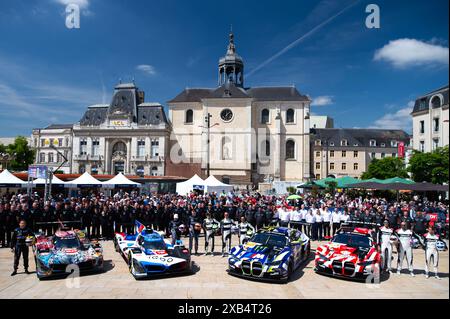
55 181
212 184
85 180
9 180
120 180
184 188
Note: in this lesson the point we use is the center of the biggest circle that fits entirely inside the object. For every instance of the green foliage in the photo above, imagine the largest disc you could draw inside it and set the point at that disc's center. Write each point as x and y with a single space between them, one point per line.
331 186
385 168
430 167
23 155
291 190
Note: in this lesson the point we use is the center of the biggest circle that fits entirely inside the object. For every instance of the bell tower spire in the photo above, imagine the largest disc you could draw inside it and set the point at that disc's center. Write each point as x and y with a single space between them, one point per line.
231 66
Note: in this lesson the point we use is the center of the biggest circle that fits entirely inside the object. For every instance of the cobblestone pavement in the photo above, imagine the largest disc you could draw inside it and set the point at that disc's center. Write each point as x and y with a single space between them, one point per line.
211 281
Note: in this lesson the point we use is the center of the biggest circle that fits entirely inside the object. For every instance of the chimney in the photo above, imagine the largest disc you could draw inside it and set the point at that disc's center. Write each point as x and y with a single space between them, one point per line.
141 96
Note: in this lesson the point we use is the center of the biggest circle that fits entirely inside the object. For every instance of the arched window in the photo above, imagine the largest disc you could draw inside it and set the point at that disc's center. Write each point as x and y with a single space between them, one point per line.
290 149
290 116
81 169
154 171
265 116
266 147
94 170
120 147
189 117
436 102
226 148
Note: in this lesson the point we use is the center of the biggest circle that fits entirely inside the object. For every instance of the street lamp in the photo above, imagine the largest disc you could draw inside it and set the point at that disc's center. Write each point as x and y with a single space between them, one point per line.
208 127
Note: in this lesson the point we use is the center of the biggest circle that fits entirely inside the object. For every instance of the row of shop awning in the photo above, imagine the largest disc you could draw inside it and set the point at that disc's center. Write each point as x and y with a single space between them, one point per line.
395 183
85 180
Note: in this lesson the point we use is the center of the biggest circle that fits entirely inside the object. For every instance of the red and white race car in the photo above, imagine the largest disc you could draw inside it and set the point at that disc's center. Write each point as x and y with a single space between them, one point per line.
352 253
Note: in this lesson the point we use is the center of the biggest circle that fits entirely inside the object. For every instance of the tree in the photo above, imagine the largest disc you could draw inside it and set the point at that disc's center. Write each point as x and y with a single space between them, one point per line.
331 187
23 155
384 168
430 167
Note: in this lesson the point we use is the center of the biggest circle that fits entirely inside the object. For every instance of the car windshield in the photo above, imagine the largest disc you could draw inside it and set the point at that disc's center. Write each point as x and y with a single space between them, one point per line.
352 240
267 239
154 245
67 242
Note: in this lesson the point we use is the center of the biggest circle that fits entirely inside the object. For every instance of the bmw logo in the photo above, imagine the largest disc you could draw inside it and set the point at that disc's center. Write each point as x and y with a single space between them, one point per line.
162 259
169 260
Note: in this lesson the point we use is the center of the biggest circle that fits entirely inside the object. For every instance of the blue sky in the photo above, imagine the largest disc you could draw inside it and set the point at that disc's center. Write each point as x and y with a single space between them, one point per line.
361 77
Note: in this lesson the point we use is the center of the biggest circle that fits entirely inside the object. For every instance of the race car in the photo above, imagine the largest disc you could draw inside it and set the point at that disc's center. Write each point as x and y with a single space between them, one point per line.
65 252
352 253
272 253
148 254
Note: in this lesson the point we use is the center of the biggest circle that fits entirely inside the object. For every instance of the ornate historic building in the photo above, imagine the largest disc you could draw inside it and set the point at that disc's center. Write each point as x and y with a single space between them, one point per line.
256 134
430 121
127 135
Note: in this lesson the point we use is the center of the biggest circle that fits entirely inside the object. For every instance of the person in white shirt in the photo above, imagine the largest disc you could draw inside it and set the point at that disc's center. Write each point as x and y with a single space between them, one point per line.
303 212
335 220
345 217
326 214
284 216
319 223
309 218
296 219
431 252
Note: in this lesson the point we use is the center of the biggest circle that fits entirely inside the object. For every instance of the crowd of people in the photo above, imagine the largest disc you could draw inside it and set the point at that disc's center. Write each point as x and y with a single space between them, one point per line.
242 213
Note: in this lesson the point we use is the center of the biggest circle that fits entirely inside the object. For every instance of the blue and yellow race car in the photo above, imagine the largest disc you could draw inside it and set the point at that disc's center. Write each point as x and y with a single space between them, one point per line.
273 253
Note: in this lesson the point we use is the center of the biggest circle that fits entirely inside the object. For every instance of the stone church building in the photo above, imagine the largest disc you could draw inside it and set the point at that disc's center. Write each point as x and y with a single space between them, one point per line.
256 134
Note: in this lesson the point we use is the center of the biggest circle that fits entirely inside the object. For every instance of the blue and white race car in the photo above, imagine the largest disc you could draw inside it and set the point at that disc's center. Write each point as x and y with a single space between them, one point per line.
149 254
273 253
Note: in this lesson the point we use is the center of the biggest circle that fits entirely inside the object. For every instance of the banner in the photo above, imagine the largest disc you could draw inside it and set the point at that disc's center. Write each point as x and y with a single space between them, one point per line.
401 150
37 171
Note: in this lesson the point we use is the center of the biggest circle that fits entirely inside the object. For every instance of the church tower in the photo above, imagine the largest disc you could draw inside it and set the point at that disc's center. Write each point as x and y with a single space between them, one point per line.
231 66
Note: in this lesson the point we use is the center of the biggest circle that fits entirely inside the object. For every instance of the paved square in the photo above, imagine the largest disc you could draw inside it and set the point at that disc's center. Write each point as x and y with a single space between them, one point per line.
211 281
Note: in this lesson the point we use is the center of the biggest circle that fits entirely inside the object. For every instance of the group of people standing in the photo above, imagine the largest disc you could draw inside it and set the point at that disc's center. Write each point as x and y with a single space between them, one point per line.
211 214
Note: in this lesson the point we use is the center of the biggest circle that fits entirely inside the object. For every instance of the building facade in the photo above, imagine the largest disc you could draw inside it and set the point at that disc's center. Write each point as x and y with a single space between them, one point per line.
348 152
127 135
430 121
53 146
255 134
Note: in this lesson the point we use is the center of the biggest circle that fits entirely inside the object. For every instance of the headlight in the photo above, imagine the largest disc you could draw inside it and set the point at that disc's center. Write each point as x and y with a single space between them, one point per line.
276 263
138 267
323 258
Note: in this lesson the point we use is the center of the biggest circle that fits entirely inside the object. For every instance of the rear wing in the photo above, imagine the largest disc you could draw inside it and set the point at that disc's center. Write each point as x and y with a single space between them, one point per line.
62 224
361 228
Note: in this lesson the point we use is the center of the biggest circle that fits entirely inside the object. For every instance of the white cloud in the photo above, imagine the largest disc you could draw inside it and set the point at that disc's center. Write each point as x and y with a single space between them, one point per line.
400 119
146 68
322 100
402 53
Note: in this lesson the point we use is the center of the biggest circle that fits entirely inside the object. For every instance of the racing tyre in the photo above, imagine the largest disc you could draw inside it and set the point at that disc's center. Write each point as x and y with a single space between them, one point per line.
290 272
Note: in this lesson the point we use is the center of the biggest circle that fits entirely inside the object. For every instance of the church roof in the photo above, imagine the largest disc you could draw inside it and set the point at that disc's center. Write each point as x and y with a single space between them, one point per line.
125 104
277 93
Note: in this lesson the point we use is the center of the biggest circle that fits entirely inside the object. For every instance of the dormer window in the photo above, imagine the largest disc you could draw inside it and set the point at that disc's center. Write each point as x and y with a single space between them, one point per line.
373 143
344 143
331 143
394 143
318 142
383 145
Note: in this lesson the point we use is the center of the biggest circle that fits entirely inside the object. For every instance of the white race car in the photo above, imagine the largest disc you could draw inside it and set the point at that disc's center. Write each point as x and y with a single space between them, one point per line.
149 254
